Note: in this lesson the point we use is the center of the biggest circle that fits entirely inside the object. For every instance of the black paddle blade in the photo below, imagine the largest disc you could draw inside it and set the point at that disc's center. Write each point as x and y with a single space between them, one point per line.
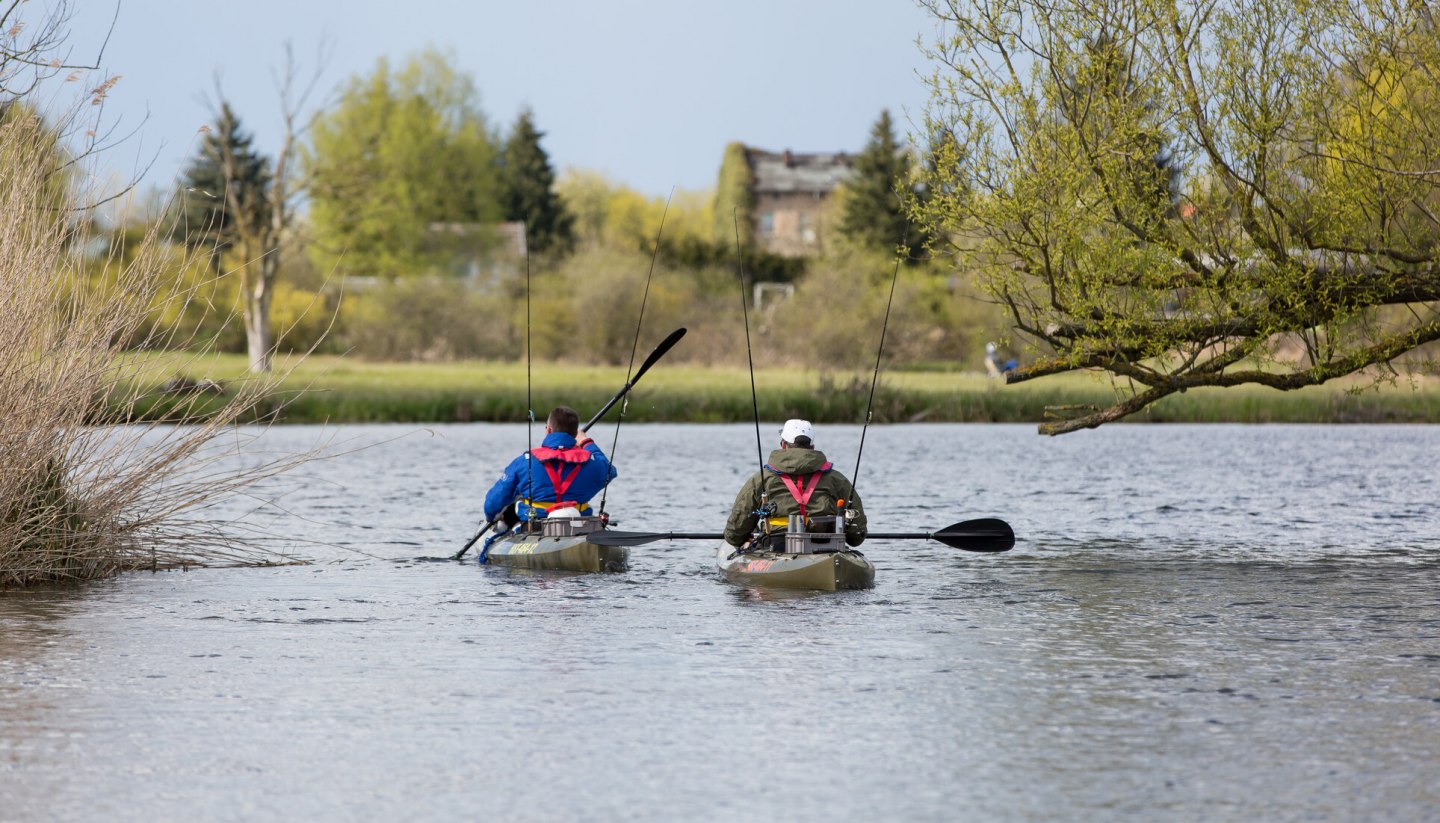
664 346
987 534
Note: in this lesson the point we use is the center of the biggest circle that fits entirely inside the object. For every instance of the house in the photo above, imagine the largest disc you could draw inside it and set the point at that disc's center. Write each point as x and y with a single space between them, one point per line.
790 190
483 254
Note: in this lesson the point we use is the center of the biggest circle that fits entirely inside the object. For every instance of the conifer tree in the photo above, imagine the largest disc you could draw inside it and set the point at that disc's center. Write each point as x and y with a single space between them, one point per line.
875 196
527 190
226 159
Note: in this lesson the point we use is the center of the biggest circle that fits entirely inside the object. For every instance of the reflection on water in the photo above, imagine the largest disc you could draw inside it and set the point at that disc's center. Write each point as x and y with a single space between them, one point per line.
1198 623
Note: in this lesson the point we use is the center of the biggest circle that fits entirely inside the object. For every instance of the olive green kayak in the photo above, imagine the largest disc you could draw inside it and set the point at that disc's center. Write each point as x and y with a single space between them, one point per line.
825 571
573 553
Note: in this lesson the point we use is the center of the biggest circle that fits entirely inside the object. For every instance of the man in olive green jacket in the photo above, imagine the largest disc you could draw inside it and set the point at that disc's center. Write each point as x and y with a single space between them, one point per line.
796 480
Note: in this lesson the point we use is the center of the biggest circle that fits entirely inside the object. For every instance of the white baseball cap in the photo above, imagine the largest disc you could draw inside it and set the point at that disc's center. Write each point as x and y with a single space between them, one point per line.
795 429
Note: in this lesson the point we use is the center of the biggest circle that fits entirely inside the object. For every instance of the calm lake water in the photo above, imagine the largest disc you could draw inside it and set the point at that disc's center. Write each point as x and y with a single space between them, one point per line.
1198 623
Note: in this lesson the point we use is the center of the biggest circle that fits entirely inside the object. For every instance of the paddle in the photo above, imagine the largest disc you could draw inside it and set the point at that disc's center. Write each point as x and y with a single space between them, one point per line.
660 350
485 528
609 537
984 535
665 345
987 534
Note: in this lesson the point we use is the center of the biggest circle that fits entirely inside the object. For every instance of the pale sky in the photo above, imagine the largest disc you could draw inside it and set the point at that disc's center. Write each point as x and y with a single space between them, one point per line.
646 92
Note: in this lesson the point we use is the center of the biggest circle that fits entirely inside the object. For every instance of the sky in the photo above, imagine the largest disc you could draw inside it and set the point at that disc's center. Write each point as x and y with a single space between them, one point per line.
648 93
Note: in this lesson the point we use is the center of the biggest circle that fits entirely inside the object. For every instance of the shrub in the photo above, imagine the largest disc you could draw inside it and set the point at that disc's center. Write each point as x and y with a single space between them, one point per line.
81 496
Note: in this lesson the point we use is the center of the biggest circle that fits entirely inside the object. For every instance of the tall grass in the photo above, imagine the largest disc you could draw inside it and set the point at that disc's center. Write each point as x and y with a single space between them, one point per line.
330 389
80 496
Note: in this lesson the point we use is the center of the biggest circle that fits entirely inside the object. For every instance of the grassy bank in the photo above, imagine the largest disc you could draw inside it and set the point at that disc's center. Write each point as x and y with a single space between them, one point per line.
337 390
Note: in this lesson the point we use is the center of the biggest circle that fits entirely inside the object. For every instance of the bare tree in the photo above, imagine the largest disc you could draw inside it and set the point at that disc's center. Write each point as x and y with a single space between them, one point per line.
259 232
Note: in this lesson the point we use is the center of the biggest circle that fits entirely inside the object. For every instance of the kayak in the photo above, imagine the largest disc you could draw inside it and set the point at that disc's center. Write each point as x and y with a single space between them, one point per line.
823 568
559 547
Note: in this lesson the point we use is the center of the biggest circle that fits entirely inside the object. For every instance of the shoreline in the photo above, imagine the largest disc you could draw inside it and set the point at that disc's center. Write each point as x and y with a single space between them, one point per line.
338 390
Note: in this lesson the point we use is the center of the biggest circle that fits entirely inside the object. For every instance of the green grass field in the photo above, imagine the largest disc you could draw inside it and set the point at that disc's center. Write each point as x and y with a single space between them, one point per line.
338 390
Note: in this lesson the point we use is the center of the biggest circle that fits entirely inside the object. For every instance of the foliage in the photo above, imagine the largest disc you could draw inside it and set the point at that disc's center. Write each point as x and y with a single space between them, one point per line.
735 199
401 152
56 162
1301 141
206 318
425 319
80 497
227 168
614 216
834 318
873 212
527 190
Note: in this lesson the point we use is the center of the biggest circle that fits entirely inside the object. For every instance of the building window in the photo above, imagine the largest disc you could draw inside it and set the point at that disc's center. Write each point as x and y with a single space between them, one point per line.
767 223
807 231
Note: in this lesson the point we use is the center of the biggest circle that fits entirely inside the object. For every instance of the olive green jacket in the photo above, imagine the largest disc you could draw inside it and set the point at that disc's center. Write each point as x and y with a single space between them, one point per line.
833 486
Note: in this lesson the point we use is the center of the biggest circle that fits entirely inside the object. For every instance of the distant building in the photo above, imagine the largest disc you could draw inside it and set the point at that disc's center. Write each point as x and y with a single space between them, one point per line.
790 190
483 254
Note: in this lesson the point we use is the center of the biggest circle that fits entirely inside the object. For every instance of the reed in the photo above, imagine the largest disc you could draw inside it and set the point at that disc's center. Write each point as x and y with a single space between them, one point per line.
81 496
332 389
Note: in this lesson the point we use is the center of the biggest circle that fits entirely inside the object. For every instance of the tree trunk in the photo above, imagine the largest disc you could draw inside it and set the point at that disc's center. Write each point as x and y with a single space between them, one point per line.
255 293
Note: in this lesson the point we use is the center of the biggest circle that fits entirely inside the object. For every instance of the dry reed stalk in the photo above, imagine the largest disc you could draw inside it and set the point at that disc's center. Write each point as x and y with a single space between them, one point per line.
82 494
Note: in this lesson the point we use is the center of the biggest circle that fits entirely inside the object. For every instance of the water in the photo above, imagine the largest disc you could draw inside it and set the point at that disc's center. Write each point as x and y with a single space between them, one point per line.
1198 623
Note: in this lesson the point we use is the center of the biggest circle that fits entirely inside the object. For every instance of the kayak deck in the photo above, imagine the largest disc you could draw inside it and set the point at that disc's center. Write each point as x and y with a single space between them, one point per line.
823 571
573 553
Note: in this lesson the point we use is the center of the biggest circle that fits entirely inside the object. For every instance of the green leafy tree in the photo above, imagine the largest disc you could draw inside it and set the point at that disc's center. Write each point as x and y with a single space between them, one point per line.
873 210
225 190
735 198
402 152
1295 205
528 190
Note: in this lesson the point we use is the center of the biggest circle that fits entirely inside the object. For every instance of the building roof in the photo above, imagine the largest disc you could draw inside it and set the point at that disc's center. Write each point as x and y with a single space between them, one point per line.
509 237
789 171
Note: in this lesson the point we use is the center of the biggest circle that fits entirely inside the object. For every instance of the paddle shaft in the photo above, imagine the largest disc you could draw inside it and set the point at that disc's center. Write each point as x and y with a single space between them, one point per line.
985 535
485 528
659 352
900 536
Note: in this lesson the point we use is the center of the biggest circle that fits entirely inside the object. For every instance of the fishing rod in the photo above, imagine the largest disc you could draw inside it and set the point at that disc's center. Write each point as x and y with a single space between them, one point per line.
875 379
654 255
745 313
529 384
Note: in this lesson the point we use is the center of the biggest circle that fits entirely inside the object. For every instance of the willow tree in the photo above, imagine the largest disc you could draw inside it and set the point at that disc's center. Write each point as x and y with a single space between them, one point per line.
1189 194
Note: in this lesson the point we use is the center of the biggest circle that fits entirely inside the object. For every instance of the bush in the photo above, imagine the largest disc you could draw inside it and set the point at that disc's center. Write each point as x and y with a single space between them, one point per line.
425 318
79 500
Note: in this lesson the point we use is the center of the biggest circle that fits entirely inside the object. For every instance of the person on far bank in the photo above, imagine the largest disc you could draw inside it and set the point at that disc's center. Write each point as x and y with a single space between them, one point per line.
563 472
797 479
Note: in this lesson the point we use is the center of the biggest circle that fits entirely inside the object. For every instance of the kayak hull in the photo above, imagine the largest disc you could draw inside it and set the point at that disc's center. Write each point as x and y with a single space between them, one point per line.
572 554
828 571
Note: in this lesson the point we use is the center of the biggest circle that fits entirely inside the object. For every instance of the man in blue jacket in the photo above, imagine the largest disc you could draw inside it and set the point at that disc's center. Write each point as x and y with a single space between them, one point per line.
562 473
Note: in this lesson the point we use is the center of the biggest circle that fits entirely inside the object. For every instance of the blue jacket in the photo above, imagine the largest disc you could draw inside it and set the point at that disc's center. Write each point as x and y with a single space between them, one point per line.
515 482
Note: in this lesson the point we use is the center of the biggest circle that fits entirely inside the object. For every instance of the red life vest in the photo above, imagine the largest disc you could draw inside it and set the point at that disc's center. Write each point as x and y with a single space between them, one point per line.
554 461
802 494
